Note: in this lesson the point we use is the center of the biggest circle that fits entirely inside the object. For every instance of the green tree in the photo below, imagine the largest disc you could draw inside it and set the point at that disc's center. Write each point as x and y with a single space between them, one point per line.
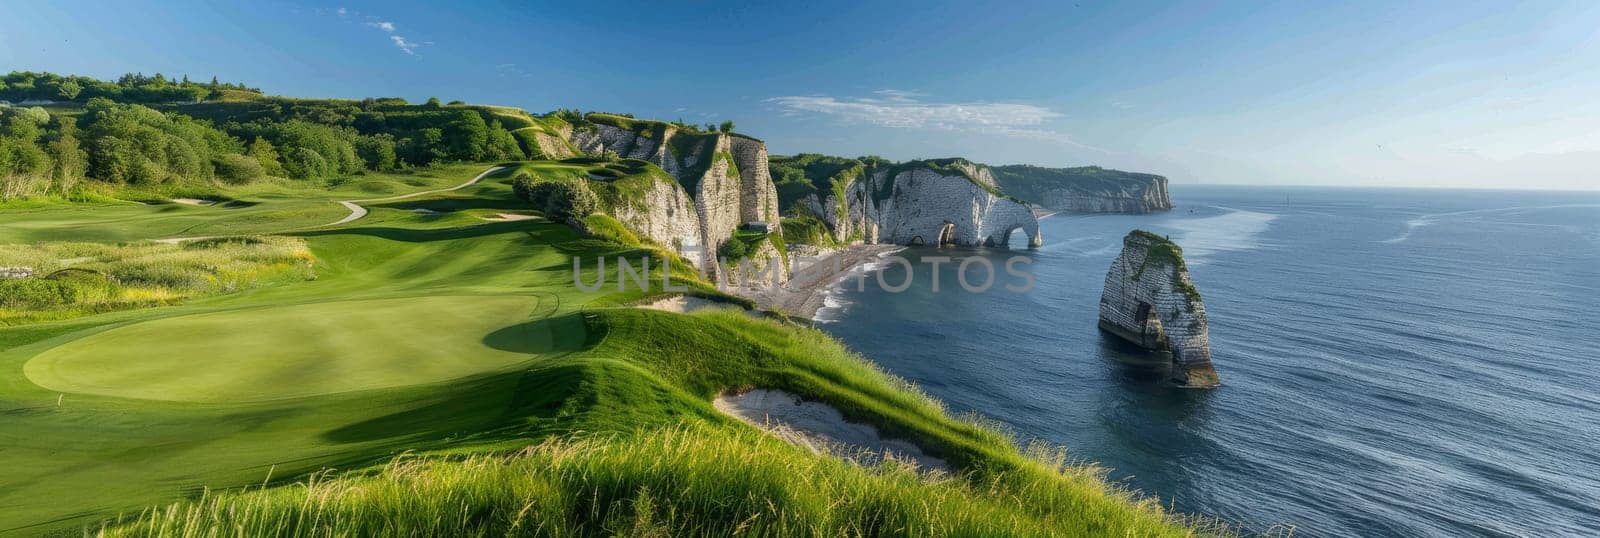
377 151
267 156
306 163
238 169
24 167
70 159
468 136
502 145
726 127
70 89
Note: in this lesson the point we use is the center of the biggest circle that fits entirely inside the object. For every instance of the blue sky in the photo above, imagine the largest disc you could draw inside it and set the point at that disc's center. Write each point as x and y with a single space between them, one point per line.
1355 93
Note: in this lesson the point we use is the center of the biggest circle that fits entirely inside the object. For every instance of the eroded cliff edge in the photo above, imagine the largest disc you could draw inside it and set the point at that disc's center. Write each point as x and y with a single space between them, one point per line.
1085 189
1150 301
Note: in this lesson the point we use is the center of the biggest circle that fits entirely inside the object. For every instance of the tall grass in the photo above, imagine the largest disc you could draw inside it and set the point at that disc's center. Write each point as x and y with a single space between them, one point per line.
692 480
72 279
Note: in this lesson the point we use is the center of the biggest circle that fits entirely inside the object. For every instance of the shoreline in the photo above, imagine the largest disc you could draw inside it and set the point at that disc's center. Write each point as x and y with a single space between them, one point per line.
808 287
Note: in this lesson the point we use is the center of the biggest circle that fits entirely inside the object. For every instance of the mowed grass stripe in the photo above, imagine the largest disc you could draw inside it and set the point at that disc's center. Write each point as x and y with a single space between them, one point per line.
292 351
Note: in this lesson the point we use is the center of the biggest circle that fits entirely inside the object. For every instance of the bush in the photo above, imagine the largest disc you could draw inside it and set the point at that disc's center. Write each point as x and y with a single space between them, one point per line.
238 169
306 163
561 201
733 249
37 293
569 201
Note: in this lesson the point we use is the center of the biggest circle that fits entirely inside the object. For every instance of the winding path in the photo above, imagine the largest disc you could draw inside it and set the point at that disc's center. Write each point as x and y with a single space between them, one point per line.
356 211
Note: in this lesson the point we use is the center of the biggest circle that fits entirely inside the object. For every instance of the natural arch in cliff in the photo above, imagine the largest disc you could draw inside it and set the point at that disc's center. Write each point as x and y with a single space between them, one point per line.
947 235
1031 233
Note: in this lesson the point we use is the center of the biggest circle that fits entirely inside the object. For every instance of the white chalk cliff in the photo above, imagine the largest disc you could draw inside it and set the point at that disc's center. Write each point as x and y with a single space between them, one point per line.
950 202
722 183
1150 301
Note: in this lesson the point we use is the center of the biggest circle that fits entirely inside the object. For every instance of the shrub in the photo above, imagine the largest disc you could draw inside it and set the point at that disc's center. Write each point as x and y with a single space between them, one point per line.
569 201
238 169
38 293
522 187
733 249
561 201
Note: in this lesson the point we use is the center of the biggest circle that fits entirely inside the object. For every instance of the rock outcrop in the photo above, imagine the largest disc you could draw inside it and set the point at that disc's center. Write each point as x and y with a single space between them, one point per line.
945 202
1087 189
724 178
1150 301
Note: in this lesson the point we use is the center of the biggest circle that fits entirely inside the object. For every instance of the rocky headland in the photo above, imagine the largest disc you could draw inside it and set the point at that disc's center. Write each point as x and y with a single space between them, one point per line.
1085 189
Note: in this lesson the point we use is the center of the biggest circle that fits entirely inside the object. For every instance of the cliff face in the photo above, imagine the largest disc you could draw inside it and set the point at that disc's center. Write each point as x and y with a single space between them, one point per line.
1150 301
941 204
1088 189
666 216
724 178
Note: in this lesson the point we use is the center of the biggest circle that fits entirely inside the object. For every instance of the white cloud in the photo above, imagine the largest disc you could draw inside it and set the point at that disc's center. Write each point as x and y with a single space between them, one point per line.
343 12
901 109
407 46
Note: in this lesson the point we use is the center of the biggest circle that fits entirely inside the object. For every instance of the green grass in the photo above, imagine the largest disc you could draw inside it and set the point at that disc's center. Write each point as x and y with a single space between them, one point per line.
462 341
690 481
298 350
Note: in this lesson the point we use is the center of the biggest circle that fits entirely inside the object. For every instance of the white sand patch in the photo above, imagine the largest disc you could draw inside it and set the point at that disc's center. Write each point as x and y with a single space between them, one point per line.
424 211
508 217
821 429
685 305
193 201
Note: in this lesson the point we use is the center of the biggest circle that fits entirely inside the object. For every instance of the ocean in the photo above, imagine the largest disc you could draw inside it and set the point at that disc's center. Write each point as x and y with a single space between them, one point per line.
1394 362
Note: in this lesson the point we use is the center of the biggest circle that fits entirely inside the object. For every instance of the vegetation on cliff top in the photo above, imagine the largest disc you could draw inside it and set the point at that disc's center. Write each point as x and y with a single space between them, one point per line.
1163 252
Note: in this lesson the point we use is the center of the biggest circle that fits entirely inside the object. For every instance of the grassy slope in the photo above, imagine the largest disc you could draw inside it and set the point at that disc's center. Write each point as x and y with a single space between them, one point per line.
645 376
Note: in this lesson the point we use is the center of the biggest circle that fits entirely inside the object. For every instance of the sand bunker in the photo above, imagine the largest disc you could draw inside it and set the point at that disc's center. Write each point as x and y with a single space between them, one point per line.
508 217
192 201
821 428
684 304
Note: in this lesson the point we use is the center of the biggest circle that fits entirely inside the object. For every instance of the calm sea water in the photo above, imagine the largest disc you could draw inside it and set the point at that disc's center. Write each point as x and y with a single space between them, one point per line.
1394 362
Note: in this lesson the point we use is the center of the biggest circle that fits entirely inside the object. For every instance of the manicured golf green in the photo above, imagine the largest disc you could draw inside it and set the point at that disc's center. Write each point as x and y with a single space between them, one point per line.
292 351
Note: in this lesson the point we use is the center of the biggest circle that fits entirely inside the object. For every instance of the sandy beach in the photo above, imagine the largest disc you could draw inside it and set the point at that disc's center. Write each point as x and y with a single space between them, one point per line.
807 288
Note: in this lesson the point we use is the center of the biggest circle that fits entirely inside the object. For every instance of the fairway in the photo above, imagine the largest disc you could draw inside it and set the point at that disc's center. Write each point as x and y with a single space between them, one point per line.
296 351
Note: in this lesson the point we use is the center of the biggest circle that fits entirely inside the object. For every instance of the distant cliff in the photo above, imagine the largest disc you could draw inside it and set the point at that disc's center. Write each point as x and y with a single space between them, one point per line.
926 202
1086 189
1150 301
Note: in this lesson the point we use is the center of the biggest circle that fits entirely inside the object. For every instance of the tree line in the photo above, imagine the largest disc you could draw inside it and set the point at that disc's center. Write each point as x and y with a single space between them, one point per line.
51 151
26 86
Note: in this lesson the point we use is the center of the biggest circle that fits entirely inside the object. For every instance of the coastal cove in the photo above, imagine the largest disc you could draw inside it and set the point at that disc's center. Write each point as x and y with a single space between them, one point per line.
1375 382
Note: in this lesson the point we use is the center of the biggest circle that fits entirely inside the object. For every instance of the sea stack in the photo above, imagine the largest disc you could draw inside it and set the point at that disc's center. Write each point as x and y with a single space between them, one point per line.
1150 301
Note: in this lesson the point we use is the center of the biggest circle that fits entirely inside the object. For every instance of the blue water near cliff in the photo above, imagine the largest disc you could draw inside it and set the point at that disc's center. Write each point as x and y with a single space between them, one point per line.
1394 362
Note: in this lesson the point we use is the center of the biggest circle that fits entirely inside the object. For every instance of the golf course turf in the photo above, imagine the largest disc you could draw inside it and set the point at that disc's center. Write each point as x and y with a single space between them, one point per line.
450 336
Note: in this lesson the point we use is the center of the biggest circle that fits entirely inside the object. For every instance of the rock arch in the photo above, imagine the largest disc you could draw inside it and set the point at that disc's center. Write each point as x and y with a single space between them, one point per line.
947 234
1032 231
